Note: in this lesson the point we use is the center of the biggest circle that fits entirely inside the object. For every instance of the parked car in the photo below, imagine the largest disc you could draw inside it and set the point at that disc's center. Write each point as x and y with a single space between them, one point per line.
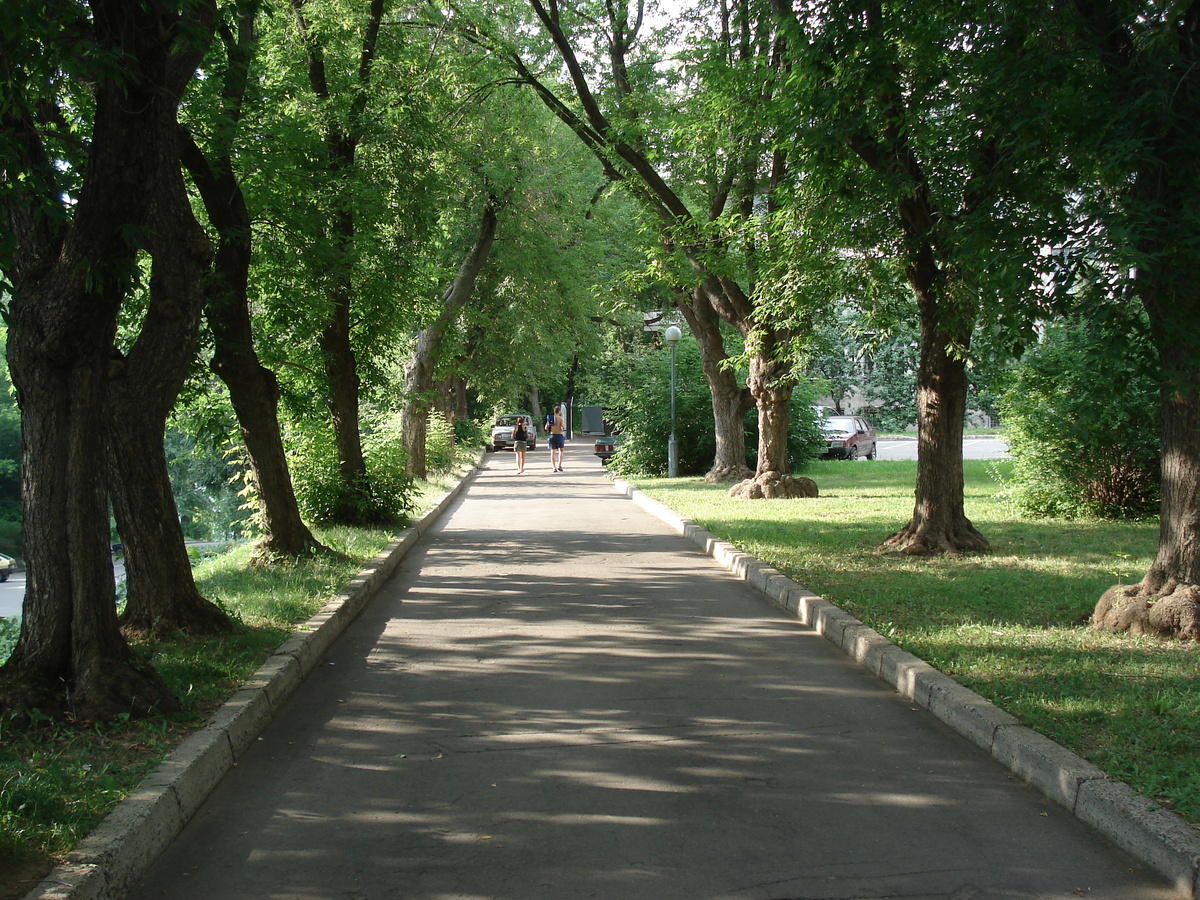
848 437
8 565
503 429
606 446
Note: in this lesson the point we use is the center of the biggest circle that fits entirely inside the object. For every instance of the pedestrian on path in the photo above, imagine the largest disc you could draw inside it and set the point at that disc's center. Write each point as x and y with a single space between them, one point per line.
520 436
556 441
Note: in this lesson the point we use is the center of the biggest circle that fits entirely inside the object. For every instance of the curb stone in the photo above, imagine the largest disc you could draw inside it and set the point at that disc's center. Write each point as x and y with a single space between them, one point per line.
110 860
1157 837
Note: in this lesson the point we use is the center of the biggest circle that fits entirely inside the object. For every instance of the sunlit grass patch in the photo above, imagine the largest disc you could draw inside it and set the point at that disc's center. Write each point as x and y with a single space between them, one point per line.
1011 624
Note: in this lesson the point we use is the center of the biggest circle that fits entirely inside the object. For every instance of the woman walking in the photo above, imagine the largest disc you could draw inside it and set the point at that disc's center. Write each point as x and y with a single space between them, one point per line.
520 437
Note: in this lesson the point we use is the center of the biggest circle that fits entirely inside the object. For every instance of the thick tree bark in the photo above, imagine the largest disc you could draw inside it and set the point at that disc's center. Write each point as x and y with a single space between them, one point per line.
162 595
1167 600
771 384
939 523
1160 205
730 401
419 374
69 282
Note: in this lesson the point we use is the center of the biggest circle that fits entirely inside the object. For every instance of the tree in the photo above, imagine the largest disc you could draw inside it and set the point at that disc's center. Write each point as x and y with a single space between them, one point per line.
71 267
253 388
920 162
1077 409
419 380
341 138
1135 105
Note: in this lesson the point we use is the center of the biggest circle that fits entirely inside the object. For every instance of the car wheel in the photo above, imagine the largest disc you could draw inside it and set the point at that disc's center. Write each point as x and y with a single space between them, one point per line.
874 454
852 453
3 576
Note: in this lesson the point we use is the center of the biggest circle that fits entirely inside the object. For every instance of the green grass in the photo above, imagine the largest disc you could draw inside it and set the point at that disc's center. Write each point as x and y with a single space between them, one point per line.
1010 624
59 779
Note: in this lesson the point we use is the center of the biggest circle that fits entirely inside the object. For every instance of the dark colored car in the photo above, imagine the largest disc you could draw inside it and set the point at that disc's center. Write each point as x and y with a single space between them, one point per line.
606 446
848 437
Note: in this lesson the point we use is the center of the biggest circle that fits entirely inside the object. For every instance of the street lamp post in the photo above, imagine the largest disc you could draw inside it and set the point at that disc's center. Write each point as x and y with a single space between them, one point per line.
672 336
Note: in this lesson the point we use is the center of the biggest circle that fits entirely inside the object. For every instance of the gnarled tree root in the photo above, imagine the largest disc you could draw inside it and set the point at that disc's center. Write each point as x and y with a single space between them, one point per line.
929 540
773 486
726 474
1175 613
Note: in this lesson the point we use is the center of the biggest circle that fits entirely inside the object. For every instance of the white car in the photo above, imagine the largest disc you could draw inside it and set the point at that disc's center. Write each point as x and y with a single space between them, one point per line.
503 429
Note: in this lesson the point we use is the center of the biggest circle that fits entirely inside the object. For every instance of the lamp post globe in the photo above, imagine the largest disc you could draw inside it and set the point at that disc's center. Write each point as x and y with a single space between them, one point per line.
672 336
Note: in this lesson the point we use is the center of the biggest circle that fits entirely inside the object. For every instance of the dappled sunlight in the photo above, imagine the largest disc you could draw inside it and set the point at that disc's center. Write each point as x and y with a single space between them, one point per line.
575 702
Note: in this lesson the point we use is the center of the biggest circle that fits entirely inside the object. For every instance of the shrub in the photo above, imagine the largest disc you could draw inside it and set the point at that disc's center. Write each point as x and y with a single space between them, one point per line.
1082 412
326 497
633 384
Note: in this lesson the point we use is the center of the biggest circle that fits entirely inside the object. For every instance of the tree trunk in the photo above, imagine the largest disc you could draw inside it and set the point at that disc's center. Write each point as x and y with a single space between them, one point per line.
939 523
162 595
730 401
1159 219
253 388
771 384
418 382
356 505
418 377
69 282
1167 600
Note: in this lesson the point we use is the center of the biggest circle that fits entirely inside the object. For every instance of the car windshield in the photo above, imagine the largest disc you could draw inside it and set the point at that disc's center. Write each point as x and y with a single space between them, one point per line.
839 423
508 420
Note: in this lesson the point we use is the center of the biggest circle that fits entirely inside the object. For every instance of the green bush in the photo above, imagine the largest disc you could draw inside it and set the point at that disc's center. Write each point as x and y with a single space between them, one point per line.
439 444
326 497
633 384
1082 416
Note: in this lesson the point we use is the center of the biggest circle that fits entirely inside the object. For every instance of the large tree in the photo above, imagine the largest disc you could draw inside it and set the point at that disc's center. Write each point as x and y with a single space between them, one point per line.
419 372
71 265
918 159
253 388
1136 100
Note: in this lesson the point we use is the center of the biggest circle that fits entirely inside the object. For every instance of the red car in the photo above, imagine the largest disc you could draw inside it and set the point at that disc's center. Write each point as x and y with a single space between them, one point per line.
848 437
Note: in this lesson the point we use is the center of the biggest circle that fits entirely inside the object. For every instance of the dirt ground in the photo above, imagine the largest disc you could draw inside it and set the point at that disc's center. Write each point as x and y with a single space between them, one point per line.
18 879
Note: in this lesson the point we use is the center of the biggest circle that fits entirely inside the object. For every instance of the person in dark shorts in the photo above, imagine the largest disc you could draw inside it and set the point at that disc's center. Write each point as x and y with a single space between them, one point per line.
556 441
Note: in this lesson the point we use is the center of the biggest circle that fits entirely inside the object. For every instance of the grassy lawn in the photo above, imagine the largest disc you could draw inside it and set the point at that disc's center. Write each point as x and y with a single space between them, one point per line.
58 780
1011 624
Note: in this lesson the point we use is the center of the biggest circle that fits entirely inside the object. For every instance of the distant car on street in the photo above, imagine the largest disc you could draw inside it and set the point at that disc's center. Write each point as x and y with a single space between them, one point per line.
848 437
503 429
8 565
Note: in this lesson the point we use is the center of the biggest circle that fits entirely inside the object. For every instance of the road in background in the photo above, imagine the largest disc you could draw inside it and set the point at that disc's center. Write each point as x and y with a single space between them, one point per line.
973 448
12 592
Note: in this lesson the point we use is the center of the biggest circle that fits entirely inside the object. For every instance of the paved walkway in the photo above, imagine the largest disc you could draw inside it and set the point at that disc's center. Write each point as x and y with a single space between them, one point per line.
557 697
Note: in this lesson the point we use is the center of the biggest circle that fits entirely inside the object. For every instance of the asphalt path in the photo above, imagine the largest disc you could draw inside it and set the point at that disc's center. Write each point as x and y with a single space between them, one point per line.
556 696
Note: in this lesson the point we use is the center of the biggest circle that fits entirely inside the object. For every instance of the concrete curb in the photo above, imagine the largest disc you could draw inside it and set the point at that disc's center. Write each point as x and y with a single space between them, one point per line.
110 860
1160 839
